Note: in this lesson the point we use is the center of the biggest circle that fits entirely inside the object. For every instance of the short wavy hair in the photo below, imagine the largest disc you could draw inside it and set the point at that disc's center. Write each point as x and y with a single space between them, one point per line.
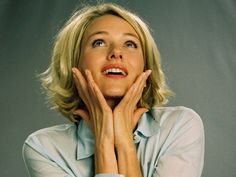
58 79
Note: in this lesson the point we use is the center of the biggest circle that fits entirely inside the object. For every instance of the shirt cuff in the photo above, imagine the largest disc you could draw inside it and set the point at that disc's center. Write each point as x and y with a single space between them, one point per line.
108 175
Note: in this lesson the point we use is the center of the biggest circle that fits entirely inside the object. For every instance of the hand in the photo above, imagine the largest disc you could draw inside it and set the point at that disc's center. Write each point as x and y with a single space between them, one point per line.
126 114
99 116
100 119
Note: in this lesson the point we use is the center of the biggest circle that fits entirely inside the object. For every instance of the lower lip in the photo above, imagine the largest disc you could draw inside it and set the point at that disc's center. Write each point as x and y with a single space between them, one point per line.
114 76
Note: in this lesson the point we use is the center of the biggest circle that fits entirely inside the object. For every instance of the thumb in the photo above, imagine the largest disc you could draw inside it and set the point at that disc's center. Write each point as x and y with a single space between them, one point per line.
137 115
83 114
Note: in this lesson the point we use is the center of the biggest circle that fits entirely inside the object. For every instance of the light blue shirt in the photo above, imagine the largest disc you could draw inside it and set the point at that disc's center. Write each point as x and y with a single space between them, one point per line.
169 143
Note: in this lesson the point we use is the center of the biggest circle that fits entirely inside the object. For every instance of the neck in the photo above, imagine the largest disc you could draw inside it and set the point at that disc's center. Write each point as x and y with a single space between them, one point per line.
113 102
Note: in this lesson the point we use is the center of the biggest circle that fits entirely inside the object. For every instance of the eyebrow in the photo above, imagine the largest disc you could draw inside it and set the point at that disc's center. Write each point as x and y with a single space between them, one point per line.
131 34
106 33
96 33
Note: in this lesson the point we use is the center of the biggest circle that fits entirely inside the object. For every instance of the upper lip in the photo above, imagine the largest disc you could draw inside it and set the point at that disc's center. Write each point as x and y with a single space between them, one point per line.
115 67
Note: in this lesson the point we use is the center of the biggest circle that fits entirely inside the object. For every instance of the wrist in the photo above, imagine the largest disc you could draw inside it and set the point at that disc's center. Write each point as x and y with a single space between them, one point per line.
104 145
124 141
127 146
105 160
128 161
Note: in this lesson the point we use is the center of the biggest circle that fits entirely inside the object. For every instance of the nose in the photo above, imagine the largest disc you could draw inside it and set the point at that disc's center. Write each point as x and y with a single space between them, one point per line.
115 53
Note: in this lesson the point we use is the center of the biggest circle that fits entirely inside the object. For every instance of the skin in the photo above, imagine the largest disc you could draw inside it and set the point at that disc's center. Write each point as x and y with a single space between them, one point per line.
111 100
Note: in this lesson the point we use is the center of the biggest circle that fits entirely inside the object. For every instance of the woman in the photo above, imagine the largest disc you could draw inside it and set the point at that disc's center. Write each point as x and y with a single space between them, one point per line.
106 77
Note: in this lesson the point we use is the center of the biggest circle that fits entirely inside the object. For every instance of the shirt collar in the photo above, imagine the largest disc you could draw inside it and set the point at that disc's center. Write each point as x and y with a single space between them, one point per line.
147 127
85 143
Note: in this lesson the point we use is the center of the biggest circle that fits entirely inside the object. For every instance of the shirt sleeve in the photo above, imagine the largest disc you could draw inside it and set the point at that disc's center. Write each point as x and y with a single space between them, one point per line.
39 166
184 154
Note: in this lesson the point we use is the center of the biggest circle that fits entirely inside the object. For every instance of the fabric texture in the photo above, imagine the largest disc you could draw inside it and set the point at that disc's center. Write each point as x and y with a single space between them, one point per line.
169 142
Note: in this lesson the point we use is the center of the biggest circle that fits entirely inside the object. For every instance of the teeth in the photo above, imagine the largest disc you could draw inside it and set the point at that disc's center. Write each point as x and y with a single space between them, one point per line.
114 70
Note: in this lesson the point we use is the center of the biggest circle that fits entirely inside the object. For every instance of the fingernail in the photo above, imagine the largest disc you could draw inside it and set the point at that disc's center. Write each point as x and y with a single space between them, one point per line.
148 72
143 74
73 70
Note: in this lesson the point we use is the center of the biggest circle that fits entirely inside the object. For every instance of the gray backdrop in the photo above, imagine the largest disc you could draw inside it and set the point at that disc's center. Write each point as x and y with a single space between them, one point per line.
197 41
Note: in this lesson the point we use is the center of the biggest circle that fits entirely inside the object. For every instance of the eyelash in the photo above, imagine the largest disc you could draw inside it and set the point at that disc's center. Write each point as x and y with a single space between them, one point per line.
94 43
133 43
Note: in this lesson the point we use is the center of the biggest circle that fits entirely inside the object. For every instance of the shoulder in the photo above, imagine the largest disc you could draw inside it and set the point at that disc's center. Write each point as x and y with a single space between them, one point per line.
50 148
52 136
180 141
176 114
54 131
178 118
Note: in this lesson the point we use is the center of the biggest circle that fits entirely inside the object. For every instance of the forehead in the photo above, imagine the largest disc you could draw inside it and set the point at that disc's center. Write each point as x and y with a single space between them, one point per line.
110 24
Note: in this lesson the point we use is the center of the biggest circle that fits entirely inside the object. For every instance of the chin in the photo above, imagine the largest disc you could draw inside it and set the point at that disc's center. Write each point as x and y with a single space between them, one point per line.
114 93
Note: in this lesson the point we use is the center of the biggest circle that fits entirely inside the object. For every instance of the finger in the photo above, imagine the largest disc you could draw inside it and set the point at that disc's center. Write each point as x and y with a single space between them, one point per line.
140 86
81 85
84 89
142 82
79 79
133 95
78 75
95 89
132 90
147 74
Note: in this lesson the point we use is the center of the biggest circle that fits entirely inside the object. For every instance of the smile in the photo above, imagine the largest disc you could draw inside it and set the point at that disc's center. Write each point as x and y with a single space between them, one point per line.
115 70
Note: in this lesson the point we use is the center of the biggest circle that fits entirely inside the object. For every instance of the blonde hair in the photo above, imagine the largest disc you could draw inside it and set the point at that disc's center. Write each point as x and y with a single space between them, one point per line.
58 80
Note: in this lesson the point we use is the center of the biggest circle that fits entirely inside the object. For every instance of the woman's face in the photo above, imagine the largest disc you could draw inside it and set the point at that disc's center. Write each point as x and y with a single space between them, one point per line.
112 51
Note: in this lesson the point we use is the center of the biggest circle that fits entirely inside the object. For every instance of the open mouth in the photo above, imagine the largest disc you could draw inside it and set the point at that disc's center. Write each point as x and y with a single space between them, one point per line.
115 70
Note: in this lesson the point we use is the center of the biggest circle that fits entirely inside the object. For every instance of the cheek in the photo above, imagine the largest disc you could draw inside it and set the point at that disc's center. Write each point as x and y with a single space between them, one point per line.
92 59
87 61
138 63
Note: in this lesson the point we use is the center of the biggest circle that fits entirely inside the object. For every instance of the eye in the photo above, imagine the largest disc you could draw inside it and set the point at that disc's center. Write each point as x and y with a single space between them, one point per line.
98 43
131 44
